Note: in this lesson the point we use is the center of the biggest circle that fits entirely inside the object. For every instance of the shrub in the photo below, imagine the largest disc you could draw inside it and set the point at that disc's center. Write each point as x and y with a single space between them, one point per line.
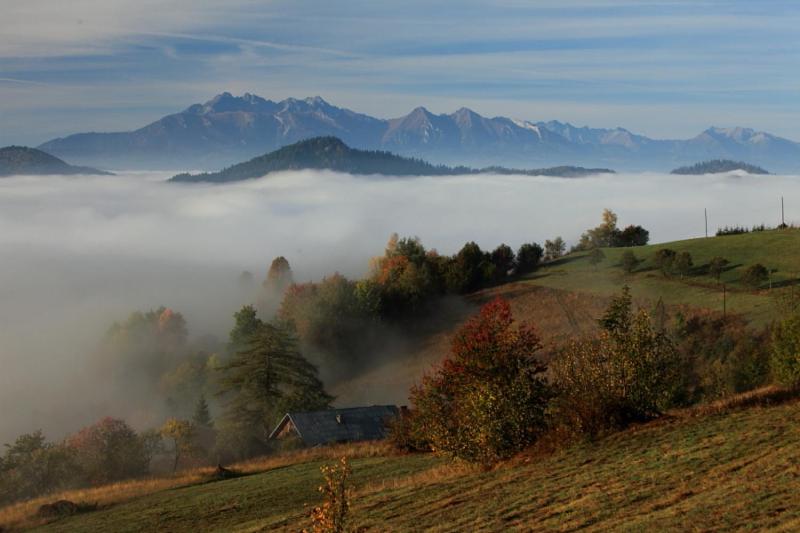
717 266
333 516
785 360
683 263
488 399
629 373
596 257
629 261
755 275
722 355
664 259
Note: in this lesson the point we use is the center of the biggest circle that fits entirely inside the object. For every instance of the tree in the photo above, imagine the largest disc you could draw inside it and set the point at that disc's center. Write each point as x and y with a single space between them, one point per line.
554 249
268 378
717 266
31 467
246 324
469 269
664 259
596 257
528 257
629 261
631 236
202 415
601 236
145 345
488 399
755 275
109 450
683 263
630 372
182 434
279 275
504 261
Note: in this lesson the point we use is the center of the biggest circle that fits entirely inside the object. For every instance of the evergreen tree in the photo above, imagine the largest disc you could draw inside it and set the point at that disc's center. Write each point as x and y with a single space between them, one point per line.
246 324
202 416
268 378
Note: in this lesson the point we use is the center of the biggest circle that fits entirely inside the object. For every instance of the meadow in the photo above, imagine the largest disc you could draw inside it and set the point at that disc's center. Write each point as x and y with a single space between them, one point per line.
718 468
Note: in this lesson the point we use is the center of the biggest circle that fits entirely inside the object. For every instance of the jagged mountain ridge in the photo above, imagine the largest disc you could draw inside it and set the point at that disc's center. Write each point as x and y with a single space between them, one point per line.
228 129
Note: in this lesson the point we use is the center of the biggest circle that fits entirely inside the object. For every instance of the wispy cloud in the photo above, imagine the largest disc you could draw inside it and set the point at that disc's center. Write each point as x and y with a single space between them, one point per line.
624 61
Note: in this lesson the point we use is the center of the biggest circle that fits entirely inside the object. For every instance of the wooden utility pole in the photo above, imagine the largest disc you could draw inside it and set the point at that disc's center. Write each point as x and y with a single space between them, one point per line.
783 220
705 212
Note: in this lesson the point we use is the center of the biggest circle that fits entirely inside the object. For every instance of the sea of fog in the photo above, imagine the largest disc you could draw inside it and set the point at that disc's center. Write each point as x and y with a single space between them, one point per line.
79 252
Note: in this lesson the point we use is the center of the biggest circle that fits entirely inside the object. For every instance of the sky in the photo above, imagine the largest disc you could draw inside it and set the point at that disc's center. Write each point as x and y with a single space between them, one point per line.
663 68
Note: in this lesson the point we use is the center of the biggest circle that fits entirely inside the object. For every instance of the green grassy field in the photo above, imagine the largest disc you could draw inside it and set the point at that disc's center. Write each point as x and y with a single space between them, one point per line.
778 250
726 471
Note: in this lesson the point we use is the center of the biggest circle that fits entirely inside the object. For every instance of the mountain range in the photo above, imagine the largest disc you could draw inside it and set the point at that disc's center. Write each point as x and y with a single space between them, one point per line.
228 129
330 153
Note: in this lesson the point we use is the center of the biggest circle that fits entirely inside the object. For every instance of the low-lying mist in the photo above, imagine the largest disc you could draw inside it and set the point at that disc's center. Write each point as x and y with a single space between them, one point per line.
78 253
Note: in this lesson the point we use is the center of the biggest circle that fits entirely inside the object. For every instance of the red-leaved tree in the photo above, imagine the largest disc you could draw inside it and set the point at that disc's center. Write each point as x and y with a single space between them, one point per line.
487 400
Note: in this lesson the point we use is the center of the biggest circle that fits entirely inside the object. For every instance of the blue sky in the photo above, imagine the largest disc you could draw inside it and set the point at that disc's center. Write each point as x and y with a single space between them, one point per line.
665 68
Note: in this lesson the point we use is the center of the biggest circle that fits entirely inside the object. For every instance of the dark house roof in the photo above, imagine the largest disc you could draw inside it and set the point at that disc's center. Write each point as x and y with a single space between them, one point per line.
339 425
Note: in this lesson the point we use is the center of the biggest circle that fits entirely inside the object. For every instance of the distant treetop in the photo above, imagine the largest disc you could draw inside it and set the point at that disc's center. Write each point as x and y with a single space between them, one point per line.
716 166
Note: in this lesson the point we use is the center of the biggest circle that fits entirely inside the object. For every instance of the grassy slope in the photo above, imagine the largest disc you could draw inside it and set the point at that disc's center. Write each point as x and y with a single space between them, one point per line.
720 471
778 250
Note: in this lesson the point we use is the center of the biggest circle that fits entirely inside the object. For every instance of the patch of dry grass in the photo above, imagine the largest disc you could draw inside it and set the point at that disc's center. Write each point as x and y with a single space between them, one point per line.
23 514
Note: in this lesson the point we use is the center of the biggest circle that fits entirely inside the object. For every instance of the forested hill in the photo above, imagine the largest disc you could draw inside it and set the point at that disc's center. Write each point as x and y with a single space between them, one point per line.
330 153
717 166
30 161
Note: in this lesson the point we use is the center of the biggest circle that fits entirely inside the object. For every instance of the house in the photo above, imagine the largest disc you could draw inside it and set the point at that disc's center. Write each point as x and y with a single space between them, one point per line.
315 428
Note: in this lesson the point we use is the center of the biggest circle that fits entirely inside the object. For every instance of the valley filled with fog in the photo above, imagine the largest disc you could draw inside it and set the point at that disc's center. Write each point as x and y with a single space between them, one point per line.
80 252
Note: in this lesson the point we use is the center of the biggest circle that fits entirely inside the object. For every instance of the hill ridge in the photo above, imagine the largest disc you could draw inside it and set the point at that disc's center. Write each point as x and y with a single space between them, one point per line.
331 153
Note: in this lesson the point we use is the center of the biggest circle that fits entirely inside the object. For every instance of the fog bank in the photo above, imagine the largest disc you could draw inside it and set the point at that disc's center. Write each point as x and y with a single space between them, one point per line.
79 252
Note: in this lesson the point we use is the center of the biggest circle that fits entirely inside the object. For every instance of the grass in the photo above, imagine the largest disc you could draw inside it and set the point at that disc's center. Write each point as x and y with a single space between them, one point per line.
722 468
778 250
23 514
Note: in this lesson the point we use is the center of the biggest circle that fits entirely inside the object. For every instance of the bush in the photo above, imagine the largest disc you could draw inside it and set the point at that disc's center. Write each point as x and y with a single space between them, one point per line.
664 259
722 355
683 263
630 373
488 399
596 257
717 266
785 360
755 275
629 261
333 516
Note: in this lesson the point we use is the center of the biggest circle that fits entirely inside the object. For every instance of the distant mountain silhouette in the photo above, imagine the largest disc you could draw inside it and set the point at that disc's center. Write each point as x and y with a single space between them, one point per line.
330 153
30 161
716 166
227 129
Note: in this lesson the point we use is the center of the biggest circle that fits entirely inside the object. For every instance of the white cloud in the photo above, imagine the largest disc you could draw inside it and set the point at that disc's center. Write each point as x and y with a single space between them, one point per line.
80 252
